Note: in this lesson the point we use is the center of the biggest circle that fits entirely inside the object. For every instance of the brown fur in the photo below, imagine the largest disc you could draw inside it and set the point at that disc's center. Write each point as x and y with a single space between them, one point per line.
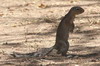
66 25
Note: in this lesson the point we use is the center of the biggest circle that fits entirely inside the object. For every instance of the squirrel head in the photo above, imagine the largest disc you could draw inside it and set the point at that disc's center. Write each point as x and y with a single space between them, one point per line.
76 10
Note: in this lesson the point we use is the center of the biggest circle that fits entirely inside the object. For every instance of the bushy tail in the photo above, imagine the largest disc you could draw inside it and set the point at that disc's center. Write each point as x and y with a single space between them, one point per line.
40 53
50 50
16 54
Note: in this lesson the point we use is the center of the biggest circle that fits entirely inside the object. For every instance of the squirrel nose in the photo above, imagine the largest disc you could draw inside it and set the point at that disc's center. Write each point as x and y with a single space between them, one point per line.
83 10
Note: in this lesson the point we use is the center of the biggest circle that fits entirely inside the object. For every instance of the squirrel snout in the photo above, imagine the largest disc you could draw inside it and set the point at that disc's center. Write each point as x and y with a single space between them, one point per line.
83 10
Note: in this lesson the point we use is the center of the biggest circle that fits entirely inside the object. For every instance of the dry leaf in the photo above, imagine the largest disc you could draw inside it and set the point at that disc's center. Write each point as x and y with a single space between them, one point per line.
42 6
14 26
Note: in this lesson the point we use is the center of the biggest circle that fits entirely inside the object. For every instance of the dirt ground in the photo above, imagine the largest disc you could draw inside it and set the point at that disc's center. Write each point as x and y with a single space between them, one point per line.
29 25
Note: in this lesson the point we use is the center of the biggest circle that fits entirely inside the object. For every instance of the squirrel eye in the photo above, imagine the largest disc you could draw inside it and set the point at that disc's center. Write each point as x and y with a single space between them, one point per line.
77 8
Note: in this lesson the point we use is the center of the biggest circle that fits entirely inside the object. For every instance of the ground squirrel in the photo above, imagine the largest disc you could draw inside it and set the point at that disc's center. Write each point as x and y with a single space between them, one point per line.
65 26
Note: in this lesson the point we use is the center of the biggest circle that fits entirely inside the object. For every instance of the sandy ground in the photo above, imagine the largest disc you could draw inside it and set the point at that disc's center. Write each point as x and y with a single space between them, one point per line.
28 25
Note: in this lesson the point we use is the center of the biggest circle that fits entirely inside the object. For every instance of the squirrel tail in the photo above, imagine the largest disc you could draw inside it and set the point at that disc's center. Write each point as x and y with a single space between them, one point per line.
50 50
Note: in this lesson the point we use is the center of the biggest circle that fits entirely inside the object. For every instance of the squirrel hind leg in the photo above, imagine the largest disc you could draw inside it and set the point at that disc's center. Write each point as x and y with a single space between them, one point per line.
58 52
64 54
